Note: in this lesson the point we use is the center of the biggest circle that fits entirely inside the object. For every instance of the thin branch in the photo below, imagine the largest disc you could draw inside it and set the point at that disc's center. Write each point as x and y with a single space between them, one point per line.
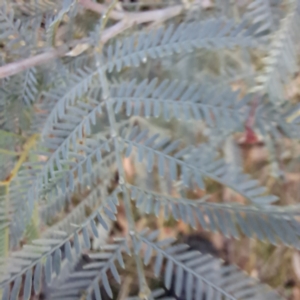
100 8
115 30
137 17
127 20
24 64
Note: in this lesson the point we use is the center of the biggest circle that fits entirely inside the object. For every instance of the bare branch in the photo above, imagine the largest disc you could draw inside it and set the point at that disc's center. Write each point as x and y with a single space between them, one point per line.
100 8
127 20
21 65
115 30
138 17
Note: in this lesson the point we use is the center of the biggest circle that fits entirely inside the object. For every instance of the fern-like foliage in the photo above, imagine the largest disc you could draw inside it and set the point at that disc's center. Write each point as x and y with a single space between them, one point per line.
24 212
96 139
30 83
260 11
54 21
267 223
101 173
282 56
211 34
87 280
194 167
8 24
13 32
66 96
177 100
278 121
197 273
49 249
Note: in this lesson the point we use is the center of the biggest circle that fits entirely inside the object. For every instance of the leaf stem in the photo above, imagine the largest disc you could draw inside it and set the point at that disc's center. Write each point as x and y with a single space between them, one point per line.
144 289
127 203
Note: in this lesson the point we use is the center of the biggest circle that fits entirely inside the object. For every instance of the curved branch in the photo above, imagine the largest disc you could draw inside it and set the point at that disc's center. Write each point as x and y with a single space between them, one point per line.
24 64
126 20
137 17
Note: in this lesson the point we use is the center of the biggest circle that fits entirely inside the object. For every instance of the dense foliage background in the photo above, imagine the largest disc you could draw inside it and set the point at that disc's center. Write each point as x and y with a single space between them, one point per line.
85 89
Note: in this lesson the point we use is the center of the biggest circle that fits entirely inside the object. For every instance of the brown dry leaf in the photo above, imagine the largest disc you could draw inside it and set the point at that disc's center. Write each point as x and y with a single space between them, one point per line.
206 4
296 264
254 273
217 240
257 154
78 49
292 177
239 86
122 220
296 293
141 223
293 89
167 232
198 192
128 168
183 227
231 196
125 288
160 221
42 158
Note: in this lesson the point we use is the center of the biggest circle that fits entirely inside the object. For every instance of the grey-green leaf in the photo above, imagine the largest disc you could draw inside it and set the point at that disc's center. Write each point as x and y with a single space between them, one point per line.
57 261
94 228
37 278
158 264
86 238
97 290
48 269
27 285
101 221
106 285
77 243
169 274
179 280
148 255
68 252
16 288
120 259
115 272
5 293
